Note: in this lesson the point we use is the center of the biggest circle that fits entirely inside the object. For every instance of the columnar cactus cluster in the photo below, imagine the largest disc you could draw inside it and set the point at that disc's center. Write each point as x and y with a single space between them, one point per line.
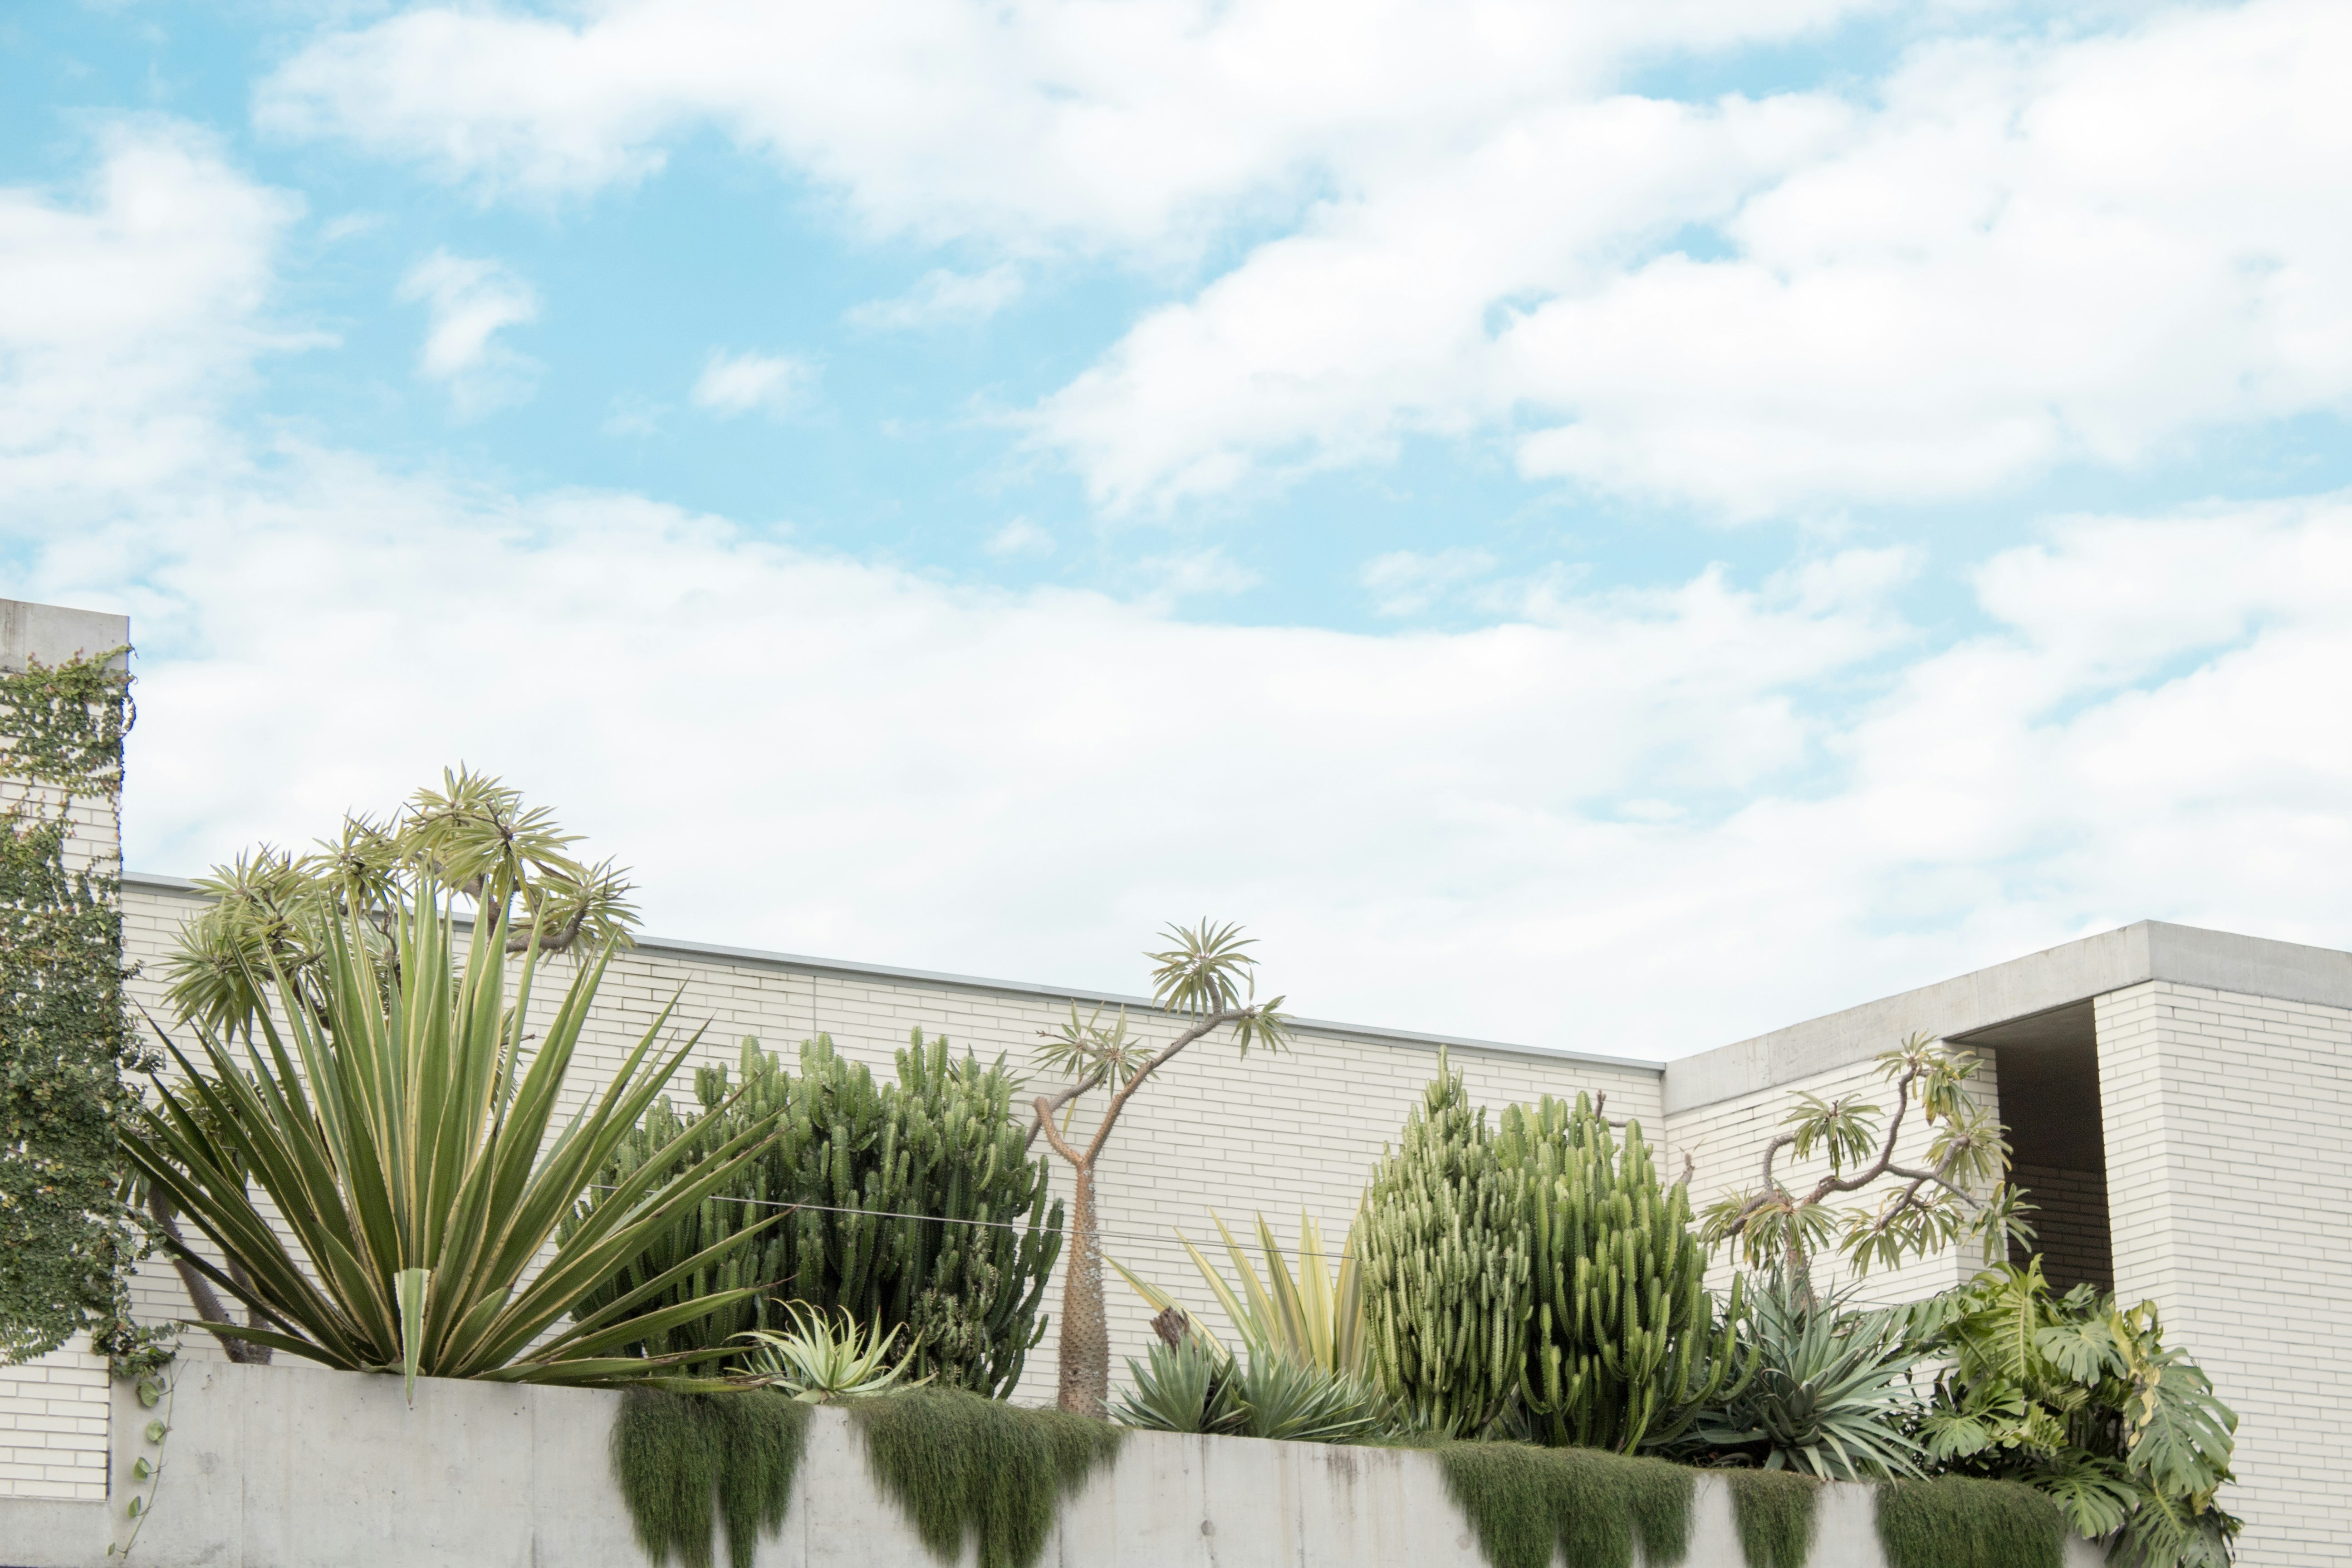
1538 1270
1446 1265
1623 1344
913 1206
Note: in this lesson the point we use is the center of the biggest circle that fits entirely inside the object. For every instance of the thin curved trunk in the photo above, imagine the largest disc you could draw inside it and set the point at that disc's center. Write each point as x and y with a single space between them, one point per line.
1086 1327
208 1304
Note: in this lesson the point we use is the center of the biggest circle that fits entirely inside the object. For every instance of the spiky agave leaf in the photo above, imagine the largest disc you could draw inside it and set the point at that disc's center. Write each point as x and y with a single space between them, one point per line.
823 1360
1184 1387
394 1121
1828 1393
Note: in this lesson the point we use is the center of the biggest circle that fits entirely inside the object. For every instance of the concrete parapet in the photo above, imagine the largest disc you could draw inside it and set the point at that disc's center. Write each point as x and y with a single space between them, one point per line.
296 1467
53 634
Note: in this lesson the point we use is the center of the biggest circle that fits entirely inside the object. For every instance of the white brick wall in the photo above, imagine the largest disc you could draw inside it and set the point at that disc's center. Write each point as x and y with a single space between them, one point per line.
1278 1133
53 1415
2227 1120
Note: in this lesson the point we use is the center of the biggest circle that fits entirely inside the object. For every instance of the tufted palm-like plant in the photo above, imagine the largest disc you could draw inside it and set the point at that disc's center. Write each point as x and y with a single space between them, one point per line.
387 1107
1206 980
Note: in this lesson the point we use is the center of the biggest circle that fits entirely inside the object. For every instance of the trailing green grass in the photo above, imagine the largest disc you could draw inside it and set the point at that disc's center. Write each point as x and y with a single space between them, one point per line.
1776 1511
1959 1522
1594 1505
686 1461
964 1465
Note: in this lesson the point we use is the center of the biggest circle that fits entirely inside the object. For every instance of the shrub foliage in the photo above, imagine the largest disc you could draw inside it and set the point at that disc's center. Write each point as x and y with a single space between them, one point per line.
67 1239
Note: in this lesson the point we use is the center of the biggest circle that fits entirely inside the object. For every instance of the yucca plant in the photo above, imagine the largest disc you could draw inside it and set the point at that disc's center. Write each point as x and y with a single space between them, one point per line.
823 1359
1315 1317
1830 1396
400 1129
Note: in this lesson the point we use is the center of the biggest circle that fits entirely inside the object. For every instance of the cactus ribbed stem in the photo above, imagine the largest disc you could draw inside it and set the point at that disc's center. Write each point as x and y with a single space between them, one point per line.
894 1168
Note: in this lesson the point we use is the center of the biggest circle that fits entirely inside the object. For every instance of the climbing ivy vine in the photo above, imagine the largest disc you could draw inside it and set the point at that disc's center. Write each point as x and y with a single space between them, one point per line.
68 1238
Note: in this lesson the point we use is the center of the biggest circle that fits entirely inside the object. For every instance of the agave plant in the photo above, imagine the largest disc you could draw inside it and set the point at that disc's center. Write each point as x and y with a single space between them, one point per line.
391 1113
1186 1386
823 1360
1831 1394
1189 1384
1315 1318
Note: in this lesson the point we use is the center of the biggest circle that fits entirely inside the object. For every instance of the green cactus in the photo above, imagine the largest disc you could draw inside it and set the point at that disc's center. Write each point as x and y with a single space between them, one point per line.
1623 1343
880 1167
1446 1265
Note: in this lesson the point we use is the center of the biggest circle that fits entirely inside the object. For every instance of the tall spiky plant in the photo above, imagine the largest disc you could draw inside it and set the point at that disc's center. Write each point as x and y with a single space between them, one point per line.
1315 1318
401 1131
1625 1343
1446 1265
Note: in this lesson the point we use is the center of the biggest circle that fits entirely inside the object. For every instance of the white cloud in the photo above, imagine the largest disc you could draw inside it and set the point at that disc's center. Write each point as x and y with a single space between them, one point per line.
1064 123
2068 249
1636 820
469 300
128 309
1646 826
730 384
1021 537
1186 574
1406 581
941 298
2093 244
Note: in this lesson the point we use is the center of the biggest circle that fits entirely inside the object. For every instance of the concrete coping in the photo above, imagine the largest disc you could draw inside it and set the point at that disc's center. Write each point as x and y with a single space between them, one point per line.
2024 987
53 634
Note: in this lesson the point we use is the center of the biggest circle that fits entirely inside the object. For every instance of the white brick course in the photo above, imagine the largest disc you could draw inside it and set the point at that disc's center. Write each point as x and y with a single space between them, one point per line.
2227 1120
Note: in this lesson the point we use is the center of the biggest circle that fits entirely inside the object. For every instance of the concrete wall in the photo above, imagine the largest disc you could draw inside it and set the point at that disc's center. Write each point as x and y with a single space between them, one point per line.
290 1468
2231 1204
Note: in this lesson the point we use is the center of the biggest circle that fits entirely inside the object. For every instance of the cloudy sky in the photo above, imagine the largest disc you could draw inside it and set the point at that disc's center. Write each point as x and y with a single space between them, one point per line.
1608 526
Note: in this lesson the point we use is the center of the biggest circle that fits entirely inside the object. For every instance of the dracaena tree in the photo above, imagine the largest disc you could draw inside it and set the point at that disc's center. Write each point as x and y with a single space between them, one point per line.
373 1066
1207 979
275 912
1955 1191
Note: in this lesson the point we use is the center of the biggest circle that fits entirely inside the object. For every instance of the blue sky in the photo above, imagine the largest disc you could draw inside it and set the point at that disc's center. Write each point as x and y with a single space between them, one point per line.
1479 492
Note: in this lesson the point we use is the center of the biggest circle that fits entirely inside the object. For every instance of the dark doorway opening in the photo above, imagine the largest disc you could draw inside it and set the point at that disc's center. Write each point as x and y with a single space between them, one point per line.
2047 1070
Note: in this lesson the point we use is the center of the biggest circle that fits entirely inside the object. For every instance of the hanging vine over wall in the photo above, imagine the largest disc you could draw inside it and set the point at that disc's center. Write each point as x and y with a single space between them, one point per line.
964 1467
67 1240
1776 1513
686 1462
1595 1507
1956 1522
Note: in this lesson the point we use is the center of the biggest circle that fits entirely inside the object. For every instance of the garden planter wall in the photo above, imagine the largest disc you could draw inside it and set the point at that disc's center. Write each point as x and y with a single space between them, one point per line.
294 1468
